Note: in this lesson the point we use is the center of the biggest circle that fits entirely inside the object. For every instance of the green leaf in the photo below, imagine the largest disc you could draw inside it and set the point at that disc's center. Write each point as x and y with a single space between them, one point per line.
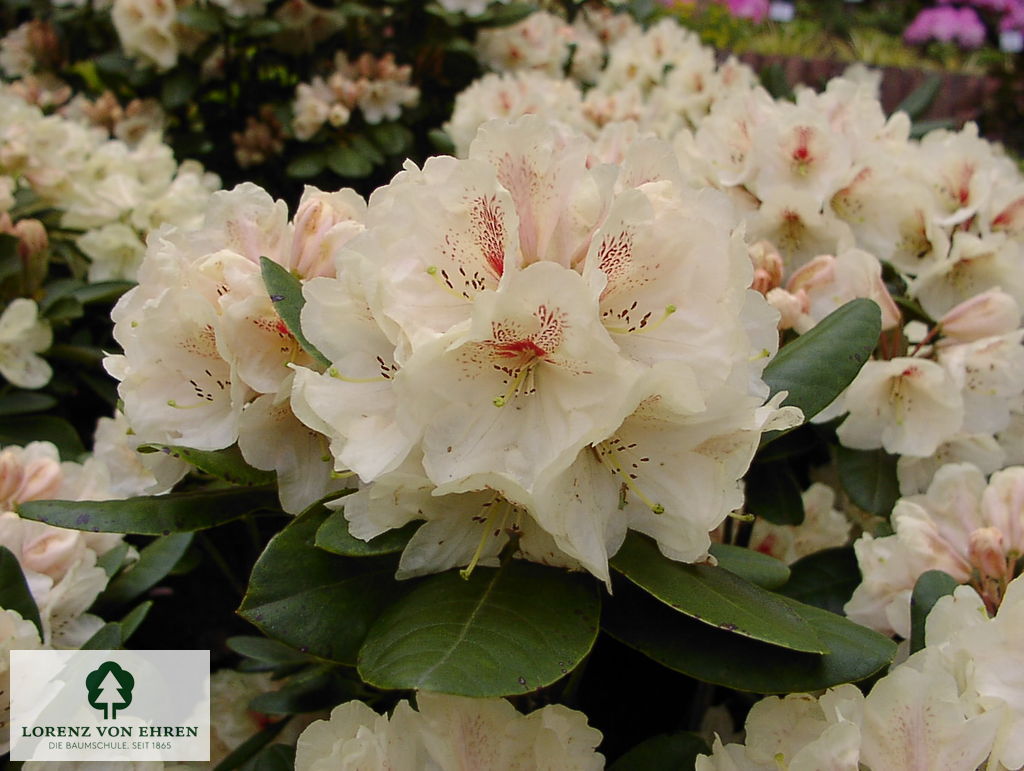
64 309
251 746
101 292
391 138
869 478
307 165
333 536
306 692
199 17
818 365
155 561
14 591
276 757
676 750
825 579
365 148
503 631
921 98
314 601
227 464
134 618
715 656
922 127
153 514
930 586
761 569
441 142
772 492
112 559
107 637
285 292
346 161
262 28
23 429
504 15
267 651
714 596
177 88
10 260
21 402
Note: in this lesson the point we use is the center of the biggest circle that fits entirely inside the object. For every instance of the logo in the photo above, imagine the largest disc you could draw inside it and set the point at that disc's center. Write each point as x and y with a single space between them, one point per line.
110 688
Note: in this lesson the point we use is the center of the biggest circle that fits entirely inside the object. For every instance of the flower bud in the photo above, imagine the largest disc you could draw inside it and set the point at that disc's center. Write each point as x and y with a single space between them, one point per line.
986 553
791 307
41 480
768 266
323 222
985 315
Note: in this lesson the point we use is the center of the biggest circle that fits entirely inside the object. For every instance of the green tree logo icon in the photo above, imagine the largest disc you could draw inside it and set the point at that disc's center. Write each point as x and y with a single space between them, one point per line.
110 688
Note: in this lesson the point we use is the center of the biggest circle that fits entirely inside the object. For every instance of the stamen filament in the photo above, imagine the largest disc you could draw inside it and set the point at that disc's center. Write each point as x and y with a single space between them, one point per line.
467 571
172 403
333 372
513 387
433 272
608 457
669 310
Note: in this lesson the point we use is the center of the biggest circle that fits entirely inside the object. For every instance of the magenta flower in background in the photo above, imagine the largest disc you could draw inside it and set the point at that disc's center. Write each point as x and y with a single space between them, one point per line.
960 25
756 10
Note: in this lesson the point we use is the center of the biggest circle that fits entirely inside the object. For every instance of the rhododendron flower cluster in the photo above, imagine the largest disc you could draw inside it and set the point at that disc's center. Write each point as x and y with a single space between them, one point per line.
524 345
956 704
206 357
449 733
963 526
111 193
379 88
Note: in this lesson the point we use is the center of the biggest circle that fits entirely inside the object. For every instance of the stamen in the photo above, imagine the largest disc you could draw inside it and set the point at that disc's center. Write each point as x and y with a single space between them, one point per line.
643 326
521 374
608 456
441 279
172 403
333 372
467 571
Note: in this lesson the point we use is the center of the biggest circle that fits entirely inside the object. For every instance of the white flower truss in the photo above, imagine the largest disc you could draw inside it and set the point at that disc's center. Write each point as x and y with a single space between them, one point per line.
542 347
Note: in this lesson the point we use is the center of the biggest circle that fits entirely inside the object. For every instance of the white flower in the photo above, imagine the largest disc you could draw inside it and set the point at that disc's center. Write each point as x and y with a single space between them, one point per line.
16 634
23 335
823 527
133 473
115 251
449 733
146 29
538 42
908 406
960 526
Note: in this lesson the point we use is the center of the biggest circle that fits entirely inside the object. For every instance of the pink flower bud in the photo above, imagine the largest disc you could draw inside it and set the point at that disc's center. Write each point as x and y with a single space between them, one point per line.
819 272
41 480
768 266
791 307
985 315
987 555
323 222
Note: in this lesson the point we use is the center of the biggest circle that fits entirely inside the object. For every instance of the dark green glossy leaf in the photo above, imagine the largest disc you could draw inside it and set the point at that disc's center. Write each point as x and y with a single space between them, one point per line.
155 514
177 88
251 746
825 579
441 142
922 127
107 637
154 563
869 478
112 559
276 757
367 149
314 601
818 365
101 292
773 492
714 656
22 402
134 618
333 536
266 650
10 261
931 585
285 291
14 591
227 464
504 15
22 429
307 691
676 750
502 632
714 596
761 569
199 17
